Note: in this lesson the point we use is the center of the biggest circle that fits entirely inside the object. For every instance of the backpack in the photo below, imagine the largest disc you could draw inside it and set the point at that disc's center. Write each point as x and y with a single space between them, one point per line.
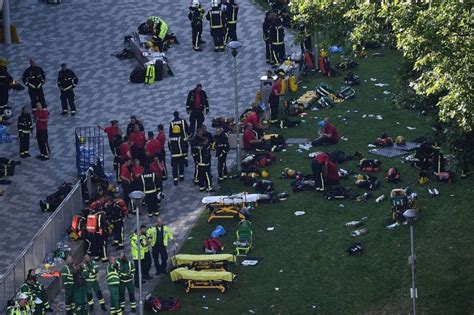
212 246
354 249
336 192
345 93
144 29
393 176
369 165
91 223
137 75
351 79
170 304
153 303
367 182
325 102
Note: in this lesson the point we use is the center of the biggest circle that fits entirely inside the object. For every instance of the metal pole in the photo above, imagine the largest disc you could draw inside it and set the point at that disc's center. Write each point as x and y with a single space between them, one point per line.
239 167
140 299
7 36
413 292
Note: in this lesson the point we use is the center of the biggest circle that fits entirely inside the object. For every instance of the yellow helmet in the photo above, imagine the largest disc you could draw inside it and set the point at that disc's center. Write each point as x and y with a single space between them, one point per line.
265 173
400 140
324 53
176 129
3 62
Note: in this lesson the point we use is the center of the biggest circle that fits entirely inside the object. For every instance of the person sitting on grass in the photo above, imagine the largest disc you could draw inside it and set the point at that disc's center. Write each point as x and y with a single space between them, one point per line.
327 134
251 141
254 118
325 172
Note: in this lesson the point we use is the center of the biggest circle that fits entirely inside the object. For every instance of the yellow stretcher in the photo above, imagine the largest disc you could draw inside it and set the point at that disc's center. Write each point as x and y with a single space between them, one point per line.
202 279
228 207
204 262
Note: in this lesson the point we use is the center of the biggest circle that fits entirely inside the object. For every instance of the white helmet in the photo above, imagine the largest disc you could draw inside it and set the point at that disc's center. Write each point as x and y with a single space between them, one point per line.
196 3
215 3
22 296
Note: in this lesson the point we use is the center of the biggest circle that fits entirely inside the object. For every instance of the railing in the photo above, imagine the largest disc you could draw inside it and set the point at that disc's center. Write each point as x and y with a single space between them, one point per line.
43 242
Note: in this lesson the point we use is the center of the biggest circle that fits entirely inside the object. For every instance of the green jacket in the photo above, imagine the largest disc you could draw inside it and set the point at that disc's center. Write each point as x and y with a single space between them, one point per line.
112 275
66 275
134 247
126 270
15 310
91 269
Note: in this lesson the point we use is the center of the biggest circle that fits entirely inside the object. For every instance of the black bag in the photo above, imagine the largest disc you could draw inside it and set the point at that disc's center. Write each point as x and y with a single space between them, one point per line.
144 29
354 249
287 123
336 192
345 93
351 79
263 186
159 70
137 75
339 156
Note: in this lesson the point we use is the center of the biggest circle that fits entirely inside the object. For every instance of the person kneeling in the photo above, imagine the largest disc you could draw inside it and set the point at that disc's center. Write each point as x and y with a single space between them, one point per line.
327 134
251 141
325 172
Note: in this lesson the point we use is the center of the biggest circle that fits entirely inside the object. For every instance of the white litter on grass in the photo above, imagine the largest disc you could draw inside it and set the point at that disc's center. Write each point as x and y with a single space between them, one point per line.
320 231
303 121
386 92
370 145
381 84
217 299
397 123
344 138
373 79
252 311
313 306
304 87
363 116
270 228
411 128
283 150
190 238
315 109
281 270
341 205
300 213
277 289
205 307
305 146
290 145
379 117
204 296
370 115
375 98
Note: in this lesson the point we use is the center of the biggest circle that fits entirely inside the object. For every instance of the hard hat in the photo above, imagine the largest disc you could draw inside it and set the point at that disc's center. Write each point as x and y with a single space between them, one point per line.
215 3
176 129
22 296
322 123
3 62
324 53
400 140
196 3
265 173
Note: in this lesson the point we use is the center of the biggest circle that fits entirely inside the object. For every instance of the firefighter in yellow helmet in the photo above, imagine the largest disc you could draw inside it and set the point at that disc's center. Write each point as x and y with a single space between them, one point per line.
178 146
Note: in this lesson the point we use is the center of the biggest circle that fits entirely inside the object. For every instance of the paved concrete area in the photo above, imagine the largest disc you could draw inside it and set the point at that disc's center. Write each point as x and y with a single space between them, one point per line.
84 34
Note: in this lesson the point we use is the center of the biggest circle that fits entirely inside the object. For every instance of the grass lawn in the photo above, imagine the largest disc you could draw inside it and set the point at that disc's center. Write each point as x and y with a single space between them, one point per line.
304 257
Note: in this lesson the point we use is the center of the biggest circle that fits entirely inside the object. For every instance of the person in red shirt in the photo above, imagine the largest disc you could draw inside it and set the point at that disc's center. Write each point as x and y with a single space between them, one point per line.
317 165
274 98
137 171
152 147
137 139
327 135
125 150
251 142
126 177
254 119
161 137
157 167
41 117
111 131
331 175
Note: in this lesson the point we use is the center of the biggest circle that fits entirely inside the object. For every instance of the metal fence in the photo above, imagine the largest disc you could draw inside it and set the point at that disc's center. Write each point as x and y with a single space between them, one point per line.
43 242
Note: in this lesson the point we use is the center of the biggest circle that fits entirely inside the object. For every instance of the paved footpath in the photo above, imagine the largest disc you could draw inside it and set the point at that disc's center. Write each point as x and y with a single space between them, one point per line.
84 34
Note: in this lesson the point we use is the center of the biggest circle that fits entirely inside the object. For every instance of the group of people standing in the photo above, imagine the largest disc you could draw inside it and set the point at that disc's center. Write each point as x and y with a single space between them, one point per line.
222 19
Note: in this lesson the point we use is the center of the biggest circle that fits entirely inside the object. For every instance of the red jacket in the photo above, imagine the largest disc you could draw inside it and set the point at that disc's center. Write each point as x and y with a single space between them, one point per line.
123 150
248 136
332 174
161 137
156 168
153 147
111 132
330 128
138 139
42 115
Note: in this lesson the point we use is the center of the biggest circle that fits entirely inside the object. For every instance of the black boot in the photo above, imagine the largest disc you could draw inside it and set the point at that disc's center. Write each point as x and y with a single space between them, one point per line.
103 307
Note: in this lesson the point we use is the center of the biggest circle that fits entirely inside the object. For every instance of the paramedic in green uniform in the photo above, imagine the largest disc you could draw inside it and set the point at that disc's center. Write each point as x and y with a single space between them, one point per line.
91 269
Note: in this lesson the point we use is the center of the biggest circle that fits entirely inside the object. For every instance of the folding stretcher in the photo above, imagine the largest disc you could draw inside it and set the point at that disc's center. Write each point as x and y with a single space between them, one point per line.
228 207
244 240
202 279
218 262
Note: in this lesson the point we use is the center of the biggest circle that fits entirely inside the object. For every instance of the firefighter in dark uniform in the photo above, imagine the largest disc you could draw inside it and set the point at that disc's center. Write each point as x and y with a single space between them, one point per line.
231 19
67 81
202 152
151 186
99 240
195 15
182 124
5 84
222 148
34 78
266 36
116 217
25 128
277 38
197 105
178 147
216 19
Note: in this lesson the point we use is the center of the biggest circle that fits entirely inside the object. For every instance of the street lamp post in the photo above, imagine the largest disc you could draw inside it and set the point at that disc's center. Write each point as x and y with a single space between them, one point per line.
411 215
234 46
7 37
137 197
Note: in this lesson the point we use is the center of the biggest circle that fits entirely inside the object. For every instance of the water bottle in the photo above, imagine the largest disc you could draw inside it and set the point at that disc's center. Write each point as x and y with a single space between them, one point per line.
380 199
359 232
354 223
